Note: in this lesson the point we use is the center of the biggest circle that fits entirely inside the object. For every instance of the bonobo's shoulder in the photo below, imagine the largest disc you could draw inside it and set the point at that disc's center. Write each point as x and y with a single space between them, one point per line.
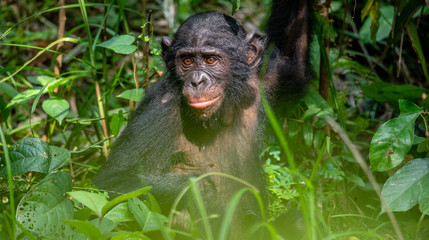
160 94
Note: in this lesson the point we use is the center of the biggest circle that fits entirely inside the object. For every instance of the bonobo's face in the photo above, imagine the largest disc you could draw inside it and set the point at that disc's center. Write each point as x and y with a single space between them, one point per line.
204 72
212 57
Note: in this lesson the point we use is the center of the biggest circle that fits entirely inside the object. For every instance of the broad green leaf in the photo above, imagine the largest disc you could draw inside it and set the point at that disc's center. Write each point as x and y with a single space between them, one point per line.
42 208
147 220
59 157
386 92
24 96
408 186
86 228
408 107
424 200
392 141
130 235
8 90
28 154
385 19
120 213
355 179
50 82
317 106
135 95
56 107
42 80
123 198
120 44
423 146
93 201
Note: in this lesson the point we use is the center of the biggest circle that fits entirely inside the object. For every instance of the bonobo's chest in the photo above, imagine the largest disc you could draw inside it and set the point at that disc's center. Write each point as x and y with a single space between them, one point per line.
232 145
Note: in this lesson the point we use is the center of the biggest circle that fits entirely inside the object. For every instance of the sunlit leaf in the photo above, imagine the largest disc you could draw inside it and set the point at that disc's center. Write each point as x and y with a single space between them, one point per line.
147 219
120 44
24 97
135 95
93 201
56 107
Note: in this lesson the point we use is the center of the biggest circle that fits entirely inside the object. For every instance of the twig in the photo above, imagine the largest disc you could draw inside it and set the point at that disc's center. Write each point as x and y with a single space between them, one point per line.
337 128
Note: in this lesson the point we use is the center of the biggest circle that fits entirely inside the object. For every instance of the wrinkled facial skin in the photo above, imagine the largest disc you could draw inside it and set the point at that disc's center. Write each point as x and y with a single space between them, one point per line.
204 72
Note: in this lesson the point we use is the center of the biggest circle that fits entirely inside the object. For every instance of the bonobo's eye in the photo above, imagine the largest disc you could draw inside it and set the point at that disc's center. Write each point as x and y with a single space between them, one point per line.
187 61
211 60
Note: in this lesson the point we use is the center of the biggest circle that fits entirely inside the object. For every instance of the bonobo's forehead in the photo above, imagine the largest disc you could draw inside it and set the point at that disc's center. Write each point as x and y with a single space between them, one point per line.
210 29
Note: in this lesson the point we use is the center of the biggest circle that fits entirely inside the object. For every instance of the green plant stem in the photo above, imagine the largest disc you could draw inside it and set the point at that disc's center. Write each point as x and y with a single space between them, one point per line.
65 39
10 183
419 224
337 128
200 204
325 58
96 82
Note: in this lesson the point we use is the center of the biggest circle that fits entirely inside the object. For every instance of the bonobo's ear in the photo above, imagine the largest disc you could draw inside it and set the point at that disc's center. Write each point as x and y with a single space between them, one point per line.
165 45
256 52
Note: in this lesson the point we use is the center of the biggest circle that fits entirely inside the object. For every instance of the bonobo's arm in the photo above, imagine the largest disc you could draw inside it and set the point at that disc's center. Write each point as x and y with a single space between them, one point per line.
289 28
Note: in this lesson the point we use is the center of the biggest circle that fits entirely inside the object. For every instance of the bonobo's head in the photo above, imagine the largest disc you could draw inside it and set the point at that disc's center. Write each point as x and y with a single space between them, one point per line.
212 57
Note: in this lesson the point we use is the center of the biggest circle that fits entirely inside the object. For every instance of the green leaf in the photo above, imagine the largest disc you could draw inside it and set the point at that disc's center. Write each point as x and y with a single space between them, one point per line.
120 44
392 141
424 200
86 228
59 157
116 122
56 107
28 154
43 80
42 208
386 92
375 16
130 235
93 201
123 198
366 9
148 221
8 90
384 15
423 146
24 97
307 130
135 95
415 40
408 186
235 6
317 106
408 107
120 213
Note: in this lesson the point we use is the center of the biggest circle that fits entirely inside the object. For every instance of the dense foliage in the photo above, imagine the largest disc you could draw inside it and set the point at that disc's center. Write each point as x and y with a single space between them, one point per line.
350 162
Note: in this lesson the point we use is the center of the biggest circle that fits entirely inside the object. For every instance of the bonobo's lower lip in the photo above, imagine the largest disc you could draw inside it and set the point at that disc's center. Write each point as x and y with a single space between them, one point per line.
203 104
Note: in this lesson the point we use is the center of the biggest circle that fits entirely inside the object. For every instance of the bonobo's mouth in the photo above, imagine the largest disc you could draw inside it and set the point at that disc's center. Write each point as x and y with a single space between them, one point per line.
202 103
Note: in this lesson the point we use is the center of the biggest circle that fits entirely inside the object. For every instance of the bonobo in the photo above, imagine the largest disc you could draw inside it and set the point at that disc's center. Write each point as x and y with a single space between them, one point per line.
206 114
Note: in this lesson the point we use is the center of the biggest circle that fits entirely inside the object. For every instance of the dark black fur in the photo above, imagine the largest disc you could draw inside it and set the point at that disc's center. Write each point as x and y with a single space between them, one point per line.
165 142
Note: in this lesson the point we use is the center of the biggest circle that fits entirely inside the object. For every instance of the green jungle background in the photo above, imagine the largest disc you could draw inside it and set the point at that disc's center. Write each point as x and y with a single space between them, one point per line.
350 163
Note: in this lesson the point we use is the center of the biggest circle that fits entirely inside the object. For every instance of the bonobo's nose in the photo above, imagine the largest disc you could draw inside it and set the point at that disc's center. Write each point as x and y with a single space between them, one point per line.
200 79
